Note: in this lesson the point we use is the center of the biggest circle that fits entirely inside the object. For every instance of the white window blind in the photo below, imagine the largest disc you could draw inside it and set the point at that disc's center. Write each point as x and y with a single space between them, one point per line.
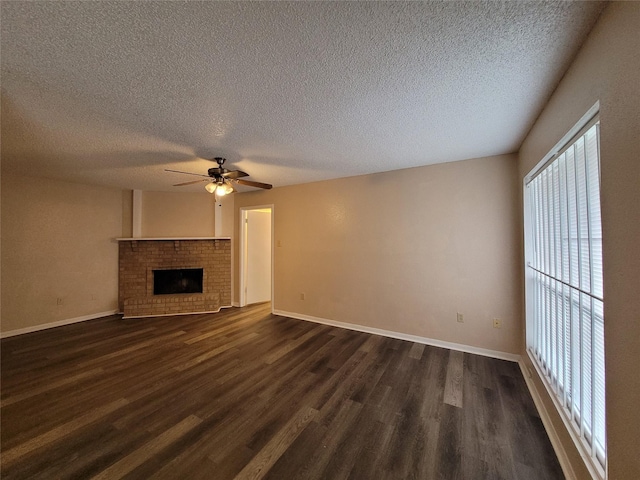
565 319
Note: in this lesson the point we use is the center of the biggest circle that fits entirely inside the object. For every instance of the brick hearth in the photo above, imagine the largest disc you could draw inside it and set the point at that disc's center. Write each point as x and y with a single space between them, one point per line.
138 259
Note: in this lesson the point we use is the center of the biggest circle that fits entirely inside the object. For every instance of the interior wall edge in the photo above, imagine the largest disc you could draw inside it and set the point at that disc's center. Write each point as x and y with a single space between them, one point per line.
511 357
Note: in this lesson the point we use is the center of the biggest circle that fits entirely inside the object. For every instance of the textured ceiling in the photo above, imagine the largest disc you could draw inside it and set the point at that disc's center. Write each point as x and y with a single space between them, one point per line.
112 93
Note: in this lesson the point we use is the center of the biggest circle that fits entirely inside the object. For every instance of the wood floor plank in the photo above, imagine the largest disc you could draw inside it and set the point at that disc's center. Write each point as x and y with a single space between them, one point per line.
128 463
43 388
334 433
292 345
93 449
217 351
247 394
199 468
414 441
434 363
448 459
269 454
416 350
294 459
345 455
130 350
65 429
485 450
453 386
373 454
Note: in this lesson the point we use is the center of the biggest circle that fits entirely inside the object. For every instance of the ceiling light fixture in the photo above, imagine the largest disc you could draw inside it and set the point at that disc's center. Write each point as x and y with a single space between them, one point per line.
219 188
224 189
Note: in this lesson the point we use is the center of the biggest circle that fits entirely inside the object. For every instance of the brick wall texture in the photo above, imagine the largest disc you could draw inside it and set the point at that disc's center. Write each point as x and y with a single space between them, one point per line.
138 259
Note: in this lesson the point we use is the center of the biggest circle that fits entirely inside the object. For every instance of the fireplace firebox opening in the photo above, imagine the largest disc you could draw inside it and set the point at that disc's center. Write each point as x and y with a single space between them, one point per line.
182 280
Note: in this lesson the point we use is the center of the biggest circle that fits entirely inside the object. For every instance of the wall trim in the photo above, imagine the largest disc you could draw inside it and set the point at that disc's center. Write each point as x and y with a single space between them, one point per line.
175 314
511 357
59 323
552 433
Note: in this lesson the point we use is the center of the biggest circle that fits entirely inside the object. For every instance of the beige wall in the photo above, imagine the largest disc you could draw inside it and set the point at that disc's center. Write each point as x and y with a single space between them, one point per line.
403 251
178 214
227 212
608 69
57 243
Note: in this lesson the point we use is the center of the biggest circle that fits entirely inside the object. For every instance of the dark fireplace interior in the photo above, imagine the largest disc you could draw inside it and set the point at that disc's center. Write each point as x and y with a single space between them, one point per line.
183 280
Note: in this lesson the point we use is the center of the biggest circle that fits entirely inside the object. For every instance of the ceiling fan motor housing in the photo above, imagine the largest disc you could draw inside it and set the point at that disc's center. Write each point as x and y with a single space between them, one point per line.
217 172
222 176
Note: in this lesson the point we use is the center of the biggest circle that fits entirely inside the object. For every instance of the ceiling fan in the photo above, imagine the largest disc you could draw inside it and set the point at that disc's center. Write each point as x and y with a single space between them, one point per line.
220 180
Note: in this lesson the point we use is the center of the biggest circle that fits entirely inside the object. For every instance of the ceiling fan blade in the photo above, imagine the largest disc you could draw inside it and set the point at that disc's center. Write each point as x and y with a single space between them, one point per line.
233 174
251 183
188 183
186 173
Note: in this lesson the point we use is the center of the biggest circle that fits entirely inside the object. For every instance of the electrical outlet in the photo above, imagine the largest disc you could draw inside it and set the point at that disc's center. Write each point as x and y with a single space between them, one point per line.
59 301
497 323
302 296
460 318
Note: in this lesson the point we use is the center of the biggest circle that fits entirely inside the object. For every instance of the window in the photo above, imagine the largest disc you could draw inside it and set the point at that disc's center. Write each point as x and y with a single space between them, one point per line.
564 289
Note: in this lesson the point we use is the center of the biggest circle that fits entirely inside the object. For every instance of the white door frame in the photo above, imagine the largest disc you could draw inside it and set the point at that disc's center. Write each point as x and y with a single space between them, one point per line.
243 252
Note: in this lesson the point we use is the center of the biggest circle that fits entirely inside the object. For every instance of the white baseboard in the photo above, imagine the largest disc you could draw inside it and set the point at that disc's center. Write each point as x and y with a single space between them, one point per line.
404 336
176 313
59 323
561 453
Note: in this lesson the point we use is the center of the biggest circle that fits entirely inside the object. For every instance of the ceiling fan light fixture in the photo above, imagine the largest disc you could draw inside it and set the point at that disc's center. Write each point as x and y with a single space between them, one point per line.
219 179
224 189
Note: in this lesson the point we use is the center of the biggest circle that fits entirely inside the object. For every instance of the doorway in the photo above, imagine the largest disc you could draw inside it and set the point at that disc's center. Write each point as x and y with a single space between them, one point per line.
256 255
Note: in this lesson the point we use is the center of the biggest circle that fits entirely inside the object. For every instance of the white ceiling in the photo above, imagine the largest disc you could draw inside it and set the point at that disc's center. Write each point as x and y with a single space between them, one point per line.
113 93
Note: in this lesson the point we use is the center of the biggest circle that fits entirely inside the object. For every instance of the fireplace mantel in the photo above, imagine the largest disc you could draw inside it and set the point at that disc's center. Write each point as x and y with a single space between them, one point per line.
141 239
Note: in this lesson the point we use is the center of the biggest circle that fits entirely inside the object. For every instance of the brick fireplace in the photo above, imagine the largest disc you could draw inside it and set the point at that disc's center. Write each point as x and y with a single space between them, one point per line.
138 258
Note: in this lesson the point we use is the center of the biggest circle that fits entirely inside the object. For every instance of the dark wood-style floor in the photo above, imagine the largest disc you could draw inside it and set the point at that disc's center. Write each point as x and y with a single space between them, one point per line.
246 394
